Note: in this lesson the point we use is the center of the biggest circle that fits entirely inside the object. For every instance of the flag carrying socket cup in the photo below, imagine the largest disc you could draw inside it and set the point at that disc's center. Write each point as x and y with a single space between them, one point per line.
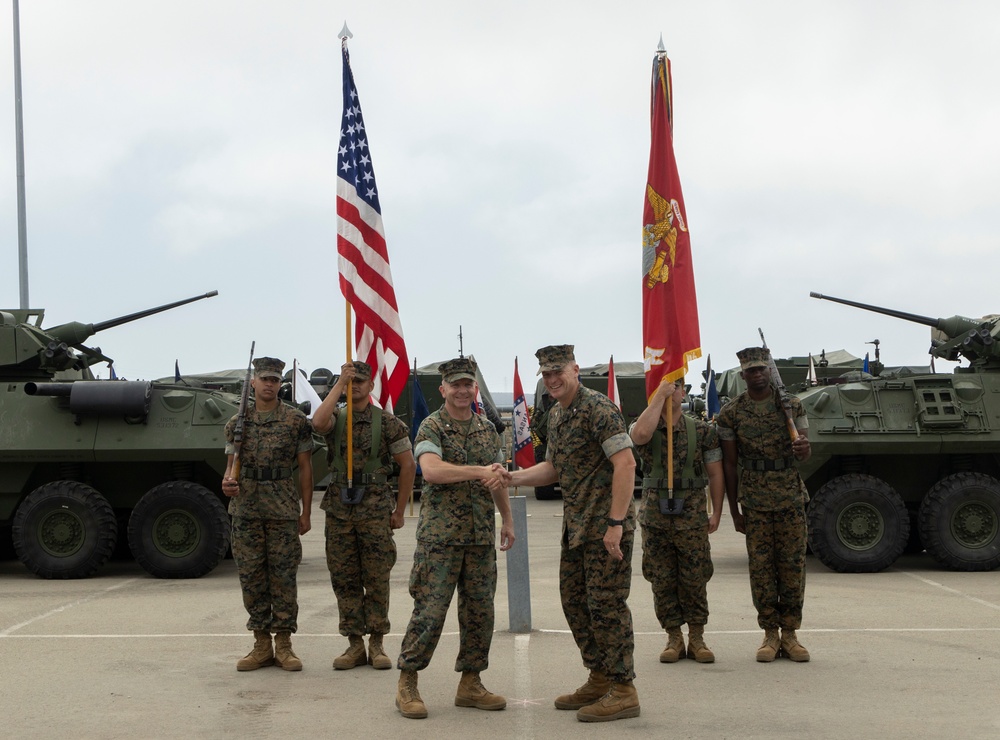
671 506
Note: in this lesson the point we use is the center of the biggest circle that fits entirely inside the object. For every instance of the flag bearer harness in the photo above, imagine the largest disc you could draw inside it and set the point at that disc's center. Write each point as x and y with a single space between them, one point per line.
353 495
692 476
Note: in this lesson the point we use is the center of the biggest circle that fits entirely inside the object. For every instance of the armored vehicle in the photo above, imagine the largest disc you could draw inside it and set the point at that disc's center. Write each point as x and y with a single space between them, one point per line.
86 462
794 371
909 459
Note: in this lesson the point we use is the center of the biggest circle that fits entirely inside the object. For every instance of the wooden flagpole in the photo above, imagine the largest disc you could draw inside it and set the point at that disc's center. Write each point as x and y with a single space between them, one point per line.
349 410
670 446
413 404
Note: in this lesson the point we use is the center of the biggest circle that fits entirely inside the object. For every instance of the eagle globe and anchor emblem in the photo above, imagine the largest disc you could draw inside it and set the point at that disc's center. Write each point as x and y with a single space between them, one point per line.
659 252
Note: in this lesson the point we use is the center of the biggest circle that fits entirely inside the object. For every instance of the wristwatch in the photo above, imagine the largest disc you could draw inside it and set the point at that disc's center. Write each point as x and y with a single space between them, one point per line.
615 522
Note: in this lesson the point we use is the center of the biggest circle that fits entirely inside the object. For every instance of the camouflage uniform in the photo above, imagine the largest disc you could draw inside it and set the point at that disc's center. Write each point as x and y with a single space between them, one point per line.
773 503
676 555
456 546
594 587
265 515
360 550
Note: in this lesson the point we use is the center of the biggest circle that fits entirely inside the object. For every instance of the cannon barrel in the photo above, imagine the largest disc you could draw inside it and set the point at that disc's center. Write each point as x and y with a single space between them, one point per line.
953 326
100 397
75 332
48 389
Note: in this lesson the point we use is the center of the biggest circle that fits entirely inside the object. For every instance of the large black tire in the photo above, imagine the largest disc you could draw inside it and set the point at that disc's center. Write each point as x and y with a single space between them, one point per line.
858 524
64 529
960 521
179 530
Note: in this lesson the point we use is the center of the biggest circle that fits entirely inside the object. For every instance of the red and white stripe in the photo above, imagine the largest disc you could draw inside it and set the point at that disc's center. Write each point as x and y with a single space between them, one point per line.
366 282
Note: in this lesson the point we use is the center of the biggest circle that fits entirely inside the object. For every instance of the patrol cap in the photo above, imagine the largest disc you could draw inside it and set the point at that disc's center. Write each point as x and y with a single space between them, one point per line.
754 357
362 370
268 367
460 367
554 357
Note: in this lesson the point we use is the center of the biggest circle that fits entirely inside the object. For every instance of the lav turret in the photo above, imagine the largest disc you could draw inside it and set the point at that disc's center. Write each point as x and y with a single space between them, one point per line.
29 351
959 336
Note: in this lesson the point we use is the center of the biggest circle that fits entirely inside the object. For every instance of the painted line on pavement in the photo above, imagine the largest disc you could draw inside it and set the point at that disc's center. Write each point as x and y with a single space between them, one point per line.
522 685
519 639
165 635
10 630
817 630
941 586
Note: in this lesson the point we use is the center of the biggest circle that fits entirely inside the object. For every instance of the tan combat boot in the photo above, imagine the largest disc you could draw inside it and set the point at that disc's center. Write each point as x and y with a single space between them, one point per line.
262 654
620 702
768 649
284 658
472 693
377 658
353 656
674 650
408 700
697 649
597 686
791 648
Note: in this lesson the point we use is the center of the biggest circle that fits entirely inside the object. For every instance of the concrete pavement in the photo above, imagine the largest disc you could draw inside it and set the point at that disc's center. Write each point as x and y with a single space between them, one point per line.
913 652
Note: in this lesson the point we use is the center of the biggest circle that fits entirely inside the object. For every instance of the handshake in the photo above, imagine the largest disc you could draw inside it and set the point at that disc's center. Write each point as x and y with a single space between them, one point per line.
496 478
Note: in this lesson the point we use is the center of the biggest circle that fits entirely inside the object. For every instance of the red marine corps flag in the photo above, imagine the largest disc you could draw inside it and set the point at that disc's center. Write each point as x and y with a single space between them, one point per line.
365 279
670 334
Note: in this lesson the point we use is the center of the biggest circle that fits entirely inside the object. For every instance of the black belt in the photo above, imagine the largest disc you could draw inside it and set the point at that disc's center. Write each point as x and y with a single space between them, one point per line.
265 473
782 463
361 479
680 484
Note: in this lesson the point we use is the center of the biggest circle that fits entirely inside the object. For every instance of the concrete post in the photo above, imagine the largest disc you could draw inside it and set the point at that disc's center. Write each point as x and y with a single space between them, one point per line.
518 581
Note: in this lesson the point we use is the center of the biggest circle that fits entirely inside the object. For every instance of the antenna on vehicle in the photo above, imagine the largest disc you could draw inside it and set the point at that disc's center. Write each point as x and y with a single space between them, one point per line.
875 367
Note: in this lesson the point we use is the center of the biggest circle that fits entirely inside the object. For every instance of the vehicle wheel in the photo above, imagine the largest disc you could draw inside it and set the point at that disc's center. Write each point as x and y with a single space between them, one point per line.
64 529
179 530
960 521
548 493
858 524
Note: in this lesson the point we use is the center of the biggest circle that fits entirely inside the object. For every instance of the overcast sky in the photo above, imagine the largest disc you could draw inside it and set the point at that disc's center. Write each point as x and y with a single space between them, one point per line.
174 148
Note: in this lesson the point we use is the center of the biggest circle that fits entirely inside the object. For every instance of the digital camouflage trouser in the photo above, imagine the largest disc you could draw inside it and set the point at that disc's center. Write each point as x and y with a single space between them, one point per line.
678 564
776 549
267 554
437 570
594 588
360 555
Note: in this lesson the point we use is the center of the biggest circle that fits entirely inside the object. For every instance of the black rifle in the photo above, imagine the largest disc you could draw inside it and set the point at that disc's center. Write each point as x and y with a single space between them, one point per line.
241 417
783 395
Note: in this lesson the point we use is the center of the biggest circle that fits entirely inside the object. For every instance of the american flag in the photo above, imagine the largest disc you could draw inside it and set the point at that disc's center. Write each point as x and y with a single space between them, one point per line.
365 278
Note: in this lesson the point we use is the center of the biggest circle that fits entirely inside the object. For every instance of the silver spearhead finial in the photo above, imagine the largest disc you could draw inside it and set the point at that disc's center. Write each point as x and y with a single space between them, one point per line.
660 48
345 33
